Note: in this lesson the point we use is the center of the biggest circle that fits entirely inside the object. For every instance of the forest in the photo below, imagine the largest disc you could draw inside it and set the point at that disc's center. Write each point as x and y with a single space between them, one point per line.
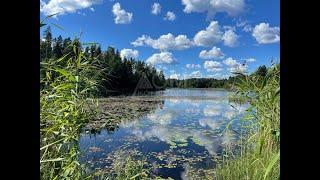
113 74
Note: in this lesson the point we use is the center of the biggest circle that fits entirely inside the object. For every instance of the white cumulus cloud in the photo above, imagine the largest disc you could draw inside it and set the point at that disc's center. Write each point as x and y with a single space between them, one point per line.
250 60
161 58
218 75
192 66
170 16
206 38
264 34
214 53
233 28
212 66
240 68
175 76
230 62
211 7
129 53
241 23
230 38
65 6
210 36
194 74
235 66
247 28
164 42
156 8
121 16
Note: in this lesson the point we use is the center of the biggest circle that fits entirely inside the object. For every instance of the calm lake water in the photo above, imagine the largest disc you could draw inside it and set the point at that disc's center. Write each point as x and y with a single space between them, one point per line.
180 139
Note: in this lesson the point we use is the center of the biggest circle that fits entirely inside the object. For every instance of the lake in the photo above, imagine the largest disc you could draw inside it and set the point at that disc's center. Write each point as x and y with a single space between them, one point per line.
182 138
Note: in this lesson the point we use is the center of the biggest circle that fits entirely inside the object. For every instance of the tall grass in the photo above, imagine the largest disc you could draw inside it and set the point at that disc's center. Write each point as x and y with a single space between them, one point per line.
259 155
65 88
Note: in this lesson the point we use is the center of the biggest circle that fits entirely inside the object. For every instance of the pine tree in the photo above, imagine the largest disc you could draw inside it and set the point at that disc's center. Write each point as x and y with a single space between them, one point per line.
86 52
93 51
58 48
48 42
67 46
98 53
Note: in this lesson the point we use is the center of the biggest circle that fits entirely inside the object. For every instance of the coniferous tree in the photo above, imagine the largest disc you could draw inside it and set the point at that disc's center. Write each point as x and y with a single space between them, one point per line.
48 43
261 71
67 47
87 52
58 48
93 51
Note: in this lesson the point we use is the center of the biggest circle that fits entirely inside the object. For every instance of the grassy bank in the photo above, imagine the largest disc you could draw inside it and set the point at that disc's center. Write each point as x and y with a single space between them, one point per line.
259 155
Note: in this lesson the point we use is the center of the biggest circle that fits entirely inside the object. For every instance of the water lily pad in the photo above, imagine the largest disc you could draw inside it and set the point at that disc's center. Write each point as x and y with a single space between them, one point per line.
172 147
182 145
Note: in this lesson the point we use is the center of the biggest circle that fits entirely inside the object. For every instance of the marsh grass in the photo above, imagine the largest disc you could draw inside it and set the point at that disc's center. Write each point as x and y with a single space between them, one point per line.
65 85
259 154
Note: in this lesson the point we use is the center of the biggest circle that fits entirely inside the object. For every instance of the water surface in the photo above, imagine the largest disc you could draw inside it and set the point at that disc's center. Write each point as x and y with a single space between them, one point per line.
182 138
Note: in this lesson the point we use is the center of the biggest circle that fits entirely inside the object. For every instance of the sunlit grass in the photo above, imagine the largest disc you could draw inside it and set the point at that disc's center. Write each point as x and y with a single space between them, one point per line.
62 114
259 155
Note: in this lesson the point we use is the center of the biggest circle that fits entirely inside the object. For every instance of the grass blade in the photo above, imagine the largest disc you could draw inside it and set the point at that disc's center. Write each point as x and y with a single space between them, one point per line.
271 164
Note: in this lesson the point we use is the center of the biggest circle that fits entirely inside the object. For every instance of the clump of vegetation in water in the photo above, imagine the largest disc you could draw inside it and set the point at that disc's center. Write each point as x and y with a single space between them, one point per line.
125 165
112 111
259 156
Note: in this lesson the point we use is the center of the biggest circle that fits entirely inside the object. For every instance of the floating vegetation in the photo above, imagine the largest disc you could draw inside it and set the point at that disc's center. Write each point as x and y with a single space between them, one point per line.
182 145
114 110
169 140
94 149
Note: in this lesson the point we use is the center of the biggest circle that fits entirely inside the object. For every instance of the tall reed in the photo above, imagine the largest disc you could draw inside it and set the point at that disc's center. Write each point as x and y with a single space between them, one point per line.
259 155
63 95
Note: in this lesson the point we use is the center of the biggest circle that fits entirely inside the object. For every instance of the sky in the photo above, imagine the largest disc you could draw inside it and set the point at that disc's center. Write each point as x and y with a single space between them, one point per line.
184 38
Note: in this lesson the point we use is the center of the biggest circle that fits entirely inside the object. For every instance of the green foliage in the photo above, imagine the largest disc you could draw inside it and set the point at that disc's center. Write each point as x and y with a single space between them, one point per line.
261 71
46 44
62 114
130 168
57 48
116 75
259 156
125 166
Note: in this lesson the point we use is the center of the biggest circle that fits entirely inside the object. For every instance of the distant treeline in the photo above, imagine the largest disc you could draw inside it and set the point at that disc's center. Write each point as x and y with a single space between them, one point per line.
115 75
199 83
211 82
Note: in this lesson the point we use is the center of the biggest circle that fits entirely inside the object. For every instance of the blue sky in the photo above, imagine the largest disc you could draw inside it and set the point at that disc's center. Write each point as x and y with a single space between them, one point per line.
236 31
